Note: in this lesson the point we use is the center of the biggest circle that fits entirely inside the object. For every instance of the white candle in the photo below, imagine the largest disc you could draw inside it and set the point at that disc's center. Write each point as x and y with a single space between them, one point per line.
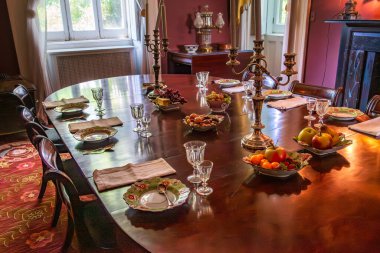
258 19
146 17
233 23
158 15
292 26
164 24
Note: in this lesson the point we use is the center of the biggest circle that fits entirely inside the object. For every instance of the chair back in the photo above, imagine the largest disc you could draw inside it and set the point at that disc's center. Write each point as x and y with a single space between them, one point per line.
24 97
268 82
26 114
33 130
316 91
373 107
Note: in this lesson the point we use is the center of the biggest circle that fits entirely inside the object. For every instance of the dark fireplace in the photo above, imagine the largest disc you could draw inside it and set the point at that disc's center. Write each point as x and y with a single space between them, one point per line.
359 62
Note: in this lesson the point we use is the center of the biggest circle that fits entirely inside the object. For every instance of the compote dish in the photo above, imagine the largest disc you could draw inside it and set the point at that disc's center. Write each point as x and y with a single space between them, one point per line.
218 102
202 122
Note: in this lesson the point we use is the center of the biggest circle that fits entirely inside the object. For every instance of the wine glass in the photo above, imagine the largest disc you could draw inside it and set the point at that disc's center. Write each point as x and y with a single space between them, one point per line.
247 90
199 79
204 75
205 169
195 151
97 94
310 107
321 107
145 122
137 113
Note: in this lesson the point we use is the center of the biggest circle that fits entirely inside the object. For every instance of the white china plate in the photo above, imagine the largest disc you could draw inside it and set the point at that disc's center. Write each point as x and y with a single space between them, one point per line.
225 83
95 134
277 94
70 109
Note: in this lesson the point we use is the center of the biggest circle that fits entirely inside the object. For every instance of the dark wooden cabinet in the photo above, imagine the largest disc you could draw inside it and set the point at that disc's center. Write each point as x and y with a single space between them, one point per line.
215 63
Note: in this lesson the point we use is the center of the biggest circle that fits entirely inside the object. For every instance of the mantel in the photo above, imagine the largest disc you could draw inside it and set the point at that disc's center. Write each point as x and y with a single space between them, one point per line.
355 23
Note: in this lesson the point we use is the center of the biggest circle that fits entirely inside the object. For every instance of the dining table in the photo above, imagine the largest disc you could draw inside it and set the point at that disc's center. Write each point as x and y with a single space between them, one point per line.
332 205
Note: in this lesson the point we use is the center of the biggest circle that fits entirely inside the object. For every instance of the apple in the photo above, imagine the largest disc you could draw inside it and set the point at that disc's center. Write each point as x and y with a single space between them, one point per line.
273 154
335 136
306 135
322 141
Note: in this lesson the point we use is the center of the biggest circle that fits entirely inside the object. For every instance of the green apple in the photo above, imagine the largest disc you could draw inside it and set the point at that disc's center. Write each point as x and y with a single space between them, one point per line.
306 135
322 141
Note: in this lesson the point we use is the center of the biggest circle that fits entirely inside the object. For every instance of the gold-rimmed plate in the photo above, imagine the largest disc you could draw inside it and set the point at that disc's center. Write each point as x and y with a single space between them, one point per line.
95 134
224 83
343 113
277 94
70 109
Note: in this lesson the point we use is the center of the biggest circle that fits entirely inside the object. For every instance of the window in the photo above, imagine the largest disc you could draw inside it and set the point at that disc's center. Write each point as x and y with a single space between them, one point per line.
276 16
88 19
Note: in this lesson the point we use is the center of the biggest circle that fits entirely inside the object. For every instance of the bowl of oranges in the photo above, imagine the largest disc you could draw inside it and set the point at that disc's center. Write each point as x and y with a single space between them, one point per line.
277 162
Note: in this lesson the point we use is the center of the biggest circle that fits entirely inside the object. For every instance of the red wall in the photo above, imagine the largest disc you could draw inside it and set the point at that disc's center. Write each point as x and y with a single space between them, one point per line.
324 39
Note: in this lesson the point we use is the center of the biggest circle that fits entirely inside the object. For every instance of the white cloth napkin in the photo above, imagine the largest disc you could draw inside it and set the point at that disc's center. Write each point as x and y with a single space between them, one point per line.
130 173
233 90
371 127
286 104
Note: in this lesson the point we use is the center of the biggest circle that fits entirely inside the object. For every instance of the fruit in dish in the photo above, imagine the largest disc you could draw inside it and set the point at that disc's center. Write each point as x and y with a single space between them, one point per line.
202 120
172 95
218 97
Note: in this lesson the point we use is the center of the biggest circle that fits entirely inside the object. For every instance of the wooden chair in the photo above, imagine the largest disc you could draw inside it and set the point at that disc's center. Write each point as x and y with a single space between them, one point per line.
22 93
28 116
316 91
373 107
268 83
85 216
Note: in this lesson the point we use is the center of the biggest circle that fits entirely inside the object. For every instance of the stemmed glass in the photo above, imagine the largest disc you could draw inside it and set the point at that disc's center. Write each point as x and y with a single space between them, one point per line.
204 79
322 106
195 151
199 79
310 107
248 90
205 169
145 122
137 113
97 94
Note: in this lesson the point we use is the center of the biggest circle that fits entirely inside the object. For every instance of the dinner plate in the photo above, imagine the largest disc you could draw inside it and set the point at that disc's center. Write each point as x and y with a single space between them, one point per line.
277 94
224 83
95 134
143 195
70 109
343 113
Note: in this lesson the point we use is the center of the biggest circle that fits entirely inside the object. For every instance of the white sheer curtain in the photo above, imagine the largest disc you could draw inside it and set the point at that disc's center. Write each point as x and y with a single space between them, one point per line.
36 34
142 54
245 12
301 13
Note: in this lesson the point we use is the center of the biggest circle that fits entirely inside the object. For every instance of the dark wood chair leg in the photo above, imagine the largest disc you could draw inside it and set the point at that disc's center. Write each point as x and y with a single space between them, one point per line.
57 209
69 234
43 188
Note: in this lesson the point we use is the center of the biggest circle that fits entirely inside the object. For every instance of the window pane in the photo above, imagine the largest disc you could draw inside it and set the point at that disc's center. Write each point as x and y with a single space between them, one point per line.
112 14
54 17
281 16
82 15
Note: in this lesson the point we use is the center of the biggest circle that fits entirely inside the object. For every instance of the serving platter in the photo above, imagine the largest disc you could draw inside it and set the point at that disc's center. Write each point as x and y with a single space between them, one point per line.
70 109
343 113
225 83
199 127
277 94
95 134
323 152
144 195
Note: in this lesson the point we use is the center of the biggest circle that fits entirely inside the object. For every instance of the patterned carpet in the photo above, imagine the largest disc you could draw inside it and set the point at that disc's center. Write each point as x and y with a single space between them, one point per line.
24 220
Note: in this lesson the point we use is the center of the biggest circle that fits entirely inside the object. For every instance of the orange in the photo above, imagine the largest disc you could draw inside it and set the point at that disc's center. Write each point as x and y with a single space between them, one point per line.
275 165
263 161
267 165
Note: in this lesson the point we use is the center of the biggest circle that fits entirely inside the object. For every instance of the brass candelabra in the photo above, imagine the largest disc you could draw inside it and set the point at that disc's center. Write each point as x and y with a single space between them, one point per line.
258 66
159 47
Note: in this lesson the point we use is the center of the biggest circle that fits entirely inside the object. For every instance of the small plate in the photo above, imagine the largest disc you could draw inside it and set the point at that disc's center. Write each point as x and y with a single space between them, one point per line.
143 195
343 113
70 109
95 134
171 107
277 94
323 152
224 83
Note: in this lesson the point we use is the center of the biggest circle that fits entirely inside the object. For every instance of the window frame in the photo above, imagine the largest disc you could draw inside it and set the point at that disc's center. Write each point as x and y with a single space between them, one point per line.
69 34
273 11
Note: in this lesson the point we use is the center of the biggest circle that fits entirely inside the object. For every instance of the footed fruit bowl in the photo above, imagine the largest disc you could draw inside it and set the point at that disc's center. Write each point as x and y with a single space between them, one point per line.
276 162
324 142
218 102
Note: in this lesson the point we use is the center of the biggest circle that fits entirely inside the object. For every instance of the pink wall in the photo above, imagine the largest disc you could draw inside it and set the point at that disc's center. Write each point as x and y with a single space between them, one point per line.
324 39
180 16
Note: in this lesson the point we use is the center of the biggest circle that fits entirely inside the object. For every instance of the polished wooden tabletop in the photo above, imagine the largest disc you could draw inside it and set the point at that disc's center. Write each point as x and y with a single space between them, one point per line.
331 206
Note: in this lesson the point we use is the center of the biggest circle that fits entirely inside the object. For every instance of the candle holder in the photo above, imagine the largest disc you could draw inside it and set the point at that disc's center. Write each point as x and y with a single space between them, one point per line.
258 66
159 48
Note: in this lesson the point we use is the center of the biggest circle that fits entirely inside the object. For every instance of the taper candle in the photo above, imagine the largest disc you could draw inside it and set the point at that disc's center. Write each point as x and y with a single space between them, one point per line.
233 23
292 25
258 19
164 24
158 15
146 17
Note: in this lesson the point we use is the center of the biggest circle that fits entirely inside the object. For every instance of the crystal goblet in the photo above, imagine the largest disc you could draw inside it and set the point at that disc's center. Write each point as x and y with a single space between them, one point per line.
195 151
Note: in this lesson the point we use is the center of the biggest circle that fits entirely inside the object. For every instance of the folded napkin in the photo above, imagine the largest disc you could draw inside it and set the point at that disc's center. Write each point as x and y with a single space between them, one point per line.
114 121
130 173
53 104
286 104
233 90
371 127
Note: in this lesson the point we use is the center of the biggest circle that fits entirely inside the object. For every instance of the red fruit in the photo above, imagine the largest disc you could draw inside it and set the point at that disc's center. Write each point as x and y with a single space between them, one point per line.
275 155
